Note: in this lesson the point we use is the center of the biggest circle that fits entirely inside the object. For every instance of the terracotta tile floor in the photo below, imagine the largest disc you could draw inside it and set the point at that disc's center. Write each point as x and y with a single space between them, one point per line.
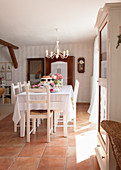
74 152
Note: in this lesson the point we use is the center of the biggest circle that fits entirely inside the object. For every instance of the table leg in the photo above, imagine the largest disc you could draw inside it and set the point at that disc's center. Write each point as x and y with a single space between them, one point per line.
22 124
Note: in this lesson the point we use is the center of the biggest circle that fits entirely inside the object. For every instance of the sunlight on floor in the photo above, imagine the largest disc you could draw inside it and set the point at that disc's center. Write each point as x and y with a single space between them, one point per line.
83 128
85 144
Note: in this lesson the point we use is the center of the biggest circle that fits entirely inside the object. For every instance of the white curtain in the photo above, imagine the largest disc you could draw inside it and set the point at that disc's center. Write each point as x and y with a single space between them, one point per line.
93 109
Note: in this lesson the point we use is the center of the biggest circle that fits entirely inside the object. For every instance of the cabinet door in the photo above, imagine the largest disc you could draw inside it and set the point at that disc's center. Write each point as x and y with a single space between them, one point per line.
70 64
102 114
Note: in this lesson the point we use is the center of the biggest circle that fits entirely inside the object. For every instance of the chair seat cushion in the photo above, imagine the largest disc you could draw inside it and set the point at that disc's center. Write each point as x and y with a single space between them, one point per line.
40 112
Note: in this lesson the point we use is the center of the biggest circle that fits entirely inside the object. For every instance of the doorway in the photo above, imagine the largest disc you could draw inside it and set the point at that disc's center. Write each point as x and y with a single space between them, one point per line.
35 70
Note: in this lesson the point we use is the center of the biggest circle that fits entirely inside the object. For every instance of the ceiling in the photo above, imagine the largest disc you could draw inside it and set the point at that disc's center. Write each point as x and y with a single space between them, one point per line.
34 22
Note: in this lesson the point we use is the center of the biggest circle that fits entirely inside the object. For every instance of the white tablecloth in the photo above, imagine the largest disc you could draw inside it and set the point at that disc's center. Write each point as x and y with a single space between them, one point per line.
58 101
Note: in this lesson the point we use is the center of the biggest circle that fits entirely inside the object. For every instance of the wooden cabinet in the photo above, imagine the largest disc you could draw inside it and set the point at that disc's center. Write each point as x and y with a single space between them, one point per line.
70 68
109 25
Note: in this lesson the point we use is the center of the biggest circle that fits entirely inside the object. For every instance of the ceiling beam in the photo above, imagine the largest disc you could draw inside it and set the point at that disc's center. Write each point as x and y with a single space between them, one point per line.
5 43
11 51
13 57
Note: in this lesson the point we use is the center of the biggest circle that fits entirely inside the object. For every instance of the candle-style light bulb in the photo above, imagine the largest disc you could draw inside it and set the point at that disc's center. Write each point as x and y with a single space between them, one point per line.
67 52
64 53
51 53
46 53
58 51
57 56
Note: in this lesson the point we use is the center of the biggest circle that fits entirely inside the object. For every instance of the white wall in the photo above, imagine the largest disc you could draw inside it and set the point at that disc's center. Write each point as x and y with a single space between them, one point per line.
78 50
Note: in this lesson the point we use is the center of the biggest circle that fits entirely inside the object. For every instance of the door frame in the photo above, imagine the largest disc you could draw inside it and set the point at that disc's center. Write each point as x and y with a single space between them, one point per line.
28 65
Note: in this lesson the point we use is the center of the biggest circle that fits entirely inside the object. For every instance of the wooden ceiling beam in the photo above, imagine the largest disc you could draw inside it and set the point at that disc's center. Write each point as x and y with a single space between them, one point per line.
13 57
11 51
5 43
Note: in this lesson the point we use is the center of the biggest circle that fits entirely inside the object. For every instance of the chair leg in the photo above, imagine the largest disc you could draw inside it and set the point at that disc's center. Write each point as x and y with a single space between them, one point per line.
74 122
34 125
48 129
65 126
38 122
51 124
22 124
15 127
55 121
28 130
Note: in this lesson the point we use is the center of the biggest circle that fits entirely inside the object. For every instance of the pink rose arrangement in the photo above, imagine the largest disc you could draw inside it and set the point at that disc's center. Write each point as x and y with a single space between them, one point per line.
56 80
36 86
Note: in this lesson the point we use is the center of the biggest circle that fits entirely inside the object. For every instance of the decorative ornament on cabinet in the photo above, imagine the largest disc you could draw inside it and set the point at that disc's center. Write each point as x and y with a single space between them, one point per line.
119 37
119 40
81 65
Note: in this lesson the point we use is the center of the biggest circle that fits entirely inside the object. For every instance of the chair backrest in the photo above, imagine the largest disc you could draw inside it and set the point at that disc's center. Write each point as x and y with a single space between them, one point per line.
22 86
76 88
24 82
15 89
45 90
29 83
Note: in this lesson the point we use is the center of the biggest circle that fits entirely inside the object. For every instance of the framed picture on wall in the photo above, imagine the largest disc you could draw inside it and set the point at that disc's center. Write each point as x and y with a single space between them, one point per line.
2 67
2 74
8 67
8 76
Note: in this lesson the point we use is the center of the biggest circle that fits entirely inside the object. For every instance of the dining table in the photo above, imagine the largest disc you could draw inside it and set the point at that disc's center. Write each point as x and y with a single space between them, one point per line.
59 101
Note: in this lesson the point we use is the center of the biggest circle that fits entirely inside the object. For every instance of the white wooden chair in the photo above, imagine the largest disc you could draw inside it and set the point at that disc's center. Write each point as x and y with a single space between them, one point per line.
41 114
58 115
22 89
15 89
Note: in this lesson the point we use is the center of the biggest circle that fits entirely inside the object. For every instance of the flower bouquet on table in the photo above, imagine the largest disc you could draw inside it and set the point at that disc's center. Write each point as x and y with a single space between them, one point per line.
57 81
35 86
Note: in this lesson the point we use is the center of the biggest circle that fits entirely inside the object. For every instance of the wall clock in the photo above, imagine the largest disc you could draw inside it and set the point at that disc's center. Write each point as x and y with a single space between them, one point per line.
81 65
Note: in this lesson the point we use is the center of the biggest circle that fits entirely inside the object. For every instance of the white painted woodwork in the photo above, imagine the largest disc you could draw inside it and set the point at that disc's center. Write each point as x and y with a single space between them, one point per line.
111 13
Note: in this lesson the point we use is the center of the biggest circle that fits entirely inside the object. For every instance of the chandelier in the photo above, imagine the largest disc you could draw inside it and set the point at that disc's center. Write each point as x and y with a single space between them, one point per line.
57 52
